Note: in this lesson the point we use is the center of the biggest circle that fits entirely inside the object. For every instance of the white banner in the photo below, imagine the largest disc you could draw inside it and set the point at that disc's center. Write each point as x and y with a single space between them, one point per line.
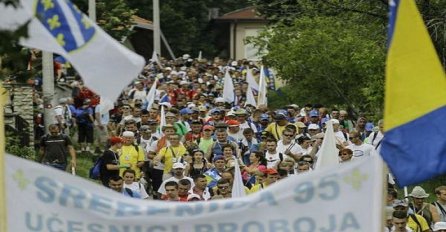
348 198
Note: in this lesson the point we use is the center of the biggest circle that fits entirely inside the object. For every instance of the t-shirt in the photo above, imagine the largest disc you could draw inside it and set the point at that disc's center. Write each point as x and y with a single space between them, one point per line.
272 160
276 130
171 155
205 144
138 188
129 155
109 157
55 148
362 150
377 140
293 147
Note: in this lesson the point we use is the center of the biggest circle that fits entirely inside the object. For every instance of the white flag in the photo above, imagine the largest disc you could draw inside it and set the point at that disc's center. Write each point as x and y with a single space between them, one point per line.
261 99
58 26
238 188
162 119
251 81
345 198
150 98
250 99
327 155
228 88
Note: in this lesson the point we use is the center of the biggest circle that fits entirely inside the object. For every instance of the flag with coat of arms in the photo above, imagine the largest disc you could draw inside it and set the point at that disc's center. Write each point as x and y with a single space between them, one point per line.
58 26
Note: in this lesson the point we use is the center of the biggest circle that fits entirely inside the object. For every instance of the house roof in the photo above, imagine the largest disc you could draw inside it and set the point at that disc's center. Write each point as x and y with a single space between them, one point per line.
138 19
245 14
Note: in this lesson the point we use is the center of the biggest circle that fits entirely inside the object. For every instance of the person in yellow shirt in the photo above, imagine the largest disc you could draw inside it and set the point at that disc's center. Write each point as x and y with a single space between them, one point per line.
170 154
276 128
415 221
132 155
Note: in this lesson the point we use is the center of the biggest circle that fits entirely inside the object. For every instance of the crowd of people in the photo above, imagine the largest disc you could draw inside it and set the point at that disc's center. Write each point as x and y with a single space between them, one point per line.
185 145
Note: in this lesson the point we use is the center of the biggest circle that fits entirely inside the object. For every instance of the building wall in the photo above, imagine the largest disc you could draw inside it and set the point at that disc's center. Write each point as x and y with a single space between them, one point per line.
243 30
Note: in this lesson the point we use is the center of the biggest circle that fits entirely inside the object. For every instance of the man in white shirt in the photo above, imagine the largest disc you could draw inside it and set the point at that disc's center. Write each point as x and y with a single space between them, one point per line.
178 174
377 135
272 156
360 149
288 146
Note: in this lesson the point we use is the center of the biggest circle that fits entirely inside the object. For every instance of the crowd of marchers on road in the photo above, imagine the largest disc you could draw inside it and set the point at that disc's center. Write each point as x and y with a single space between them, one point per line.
190 153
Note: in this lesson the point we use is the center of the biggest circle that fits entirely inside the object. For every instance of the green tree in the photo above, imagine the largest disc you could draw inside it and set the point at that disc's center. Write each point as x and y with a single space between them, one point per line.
329 60
114 16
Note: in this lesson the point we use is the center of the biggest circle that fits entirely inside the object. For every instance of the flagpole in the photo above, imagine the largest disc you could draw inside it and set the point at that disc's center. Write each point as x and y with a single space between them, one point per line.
3 211
48 86
92 10
156 27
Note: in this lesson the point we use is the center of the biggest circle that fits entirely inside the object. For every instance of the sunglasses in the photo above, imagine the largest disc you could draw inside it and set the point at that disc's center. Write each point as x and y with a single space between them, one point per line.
352 138
288 135
223 187
343 154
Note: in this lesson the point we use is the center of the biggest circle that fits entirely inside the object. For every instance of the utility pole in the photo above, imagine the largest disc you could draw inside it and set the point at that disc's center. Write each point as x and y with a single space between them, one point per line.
92 10
156 27
48 88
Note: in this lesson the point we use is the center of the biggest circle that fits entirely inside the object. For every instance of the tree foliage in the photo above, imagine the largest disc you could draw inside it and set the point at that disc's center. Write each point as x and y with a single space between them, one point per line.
333 51
114 16
329 57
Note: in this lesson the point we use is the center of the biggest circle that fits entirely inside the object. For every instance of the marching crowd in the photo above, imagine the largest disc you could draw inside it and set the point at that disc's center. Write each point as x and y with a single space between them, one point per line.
186 144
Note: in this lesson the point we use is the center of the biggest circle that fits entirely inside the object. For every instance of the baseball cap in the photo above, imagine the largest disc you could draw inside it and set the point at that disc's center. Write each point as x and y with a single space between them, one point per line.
313 127
314 113
271 171
114 140
300 125
264 117
185 111
170 114
439 226
232 123
178 165
241 112
334 121
398 202
208 127
218 157
128 134
219 100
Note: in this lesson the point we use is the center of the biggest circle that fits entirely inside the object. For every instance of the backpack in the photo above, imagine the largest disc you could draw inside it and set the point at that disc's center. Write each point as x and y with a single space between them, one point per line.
95 171
82 117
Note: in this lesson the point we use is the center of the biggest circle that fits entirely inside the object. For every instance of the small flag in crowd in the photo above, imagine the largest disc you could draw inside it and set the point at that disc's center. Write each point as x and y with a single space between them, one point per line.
261 98
150 98
228 88
60 27
250 99
238 188
414 145
250 79
327 155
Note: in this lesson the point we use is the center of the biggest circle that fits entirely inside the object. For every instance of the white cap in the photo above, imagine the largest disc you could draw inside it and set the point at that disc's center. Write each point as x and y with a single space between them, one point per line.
313 127
234 63
178 165
439 226
334 121
128 134
219 100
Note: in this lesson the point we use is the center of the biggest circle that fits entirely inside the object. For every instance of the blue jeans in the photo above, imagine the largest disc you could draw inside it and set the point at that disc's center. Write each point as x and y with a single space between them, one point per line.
62 167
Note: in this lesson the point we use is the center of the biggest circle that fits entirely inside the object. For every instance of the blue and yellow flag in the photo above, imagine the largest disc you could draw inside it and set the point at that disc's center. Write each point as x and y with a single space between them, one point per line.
414 145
